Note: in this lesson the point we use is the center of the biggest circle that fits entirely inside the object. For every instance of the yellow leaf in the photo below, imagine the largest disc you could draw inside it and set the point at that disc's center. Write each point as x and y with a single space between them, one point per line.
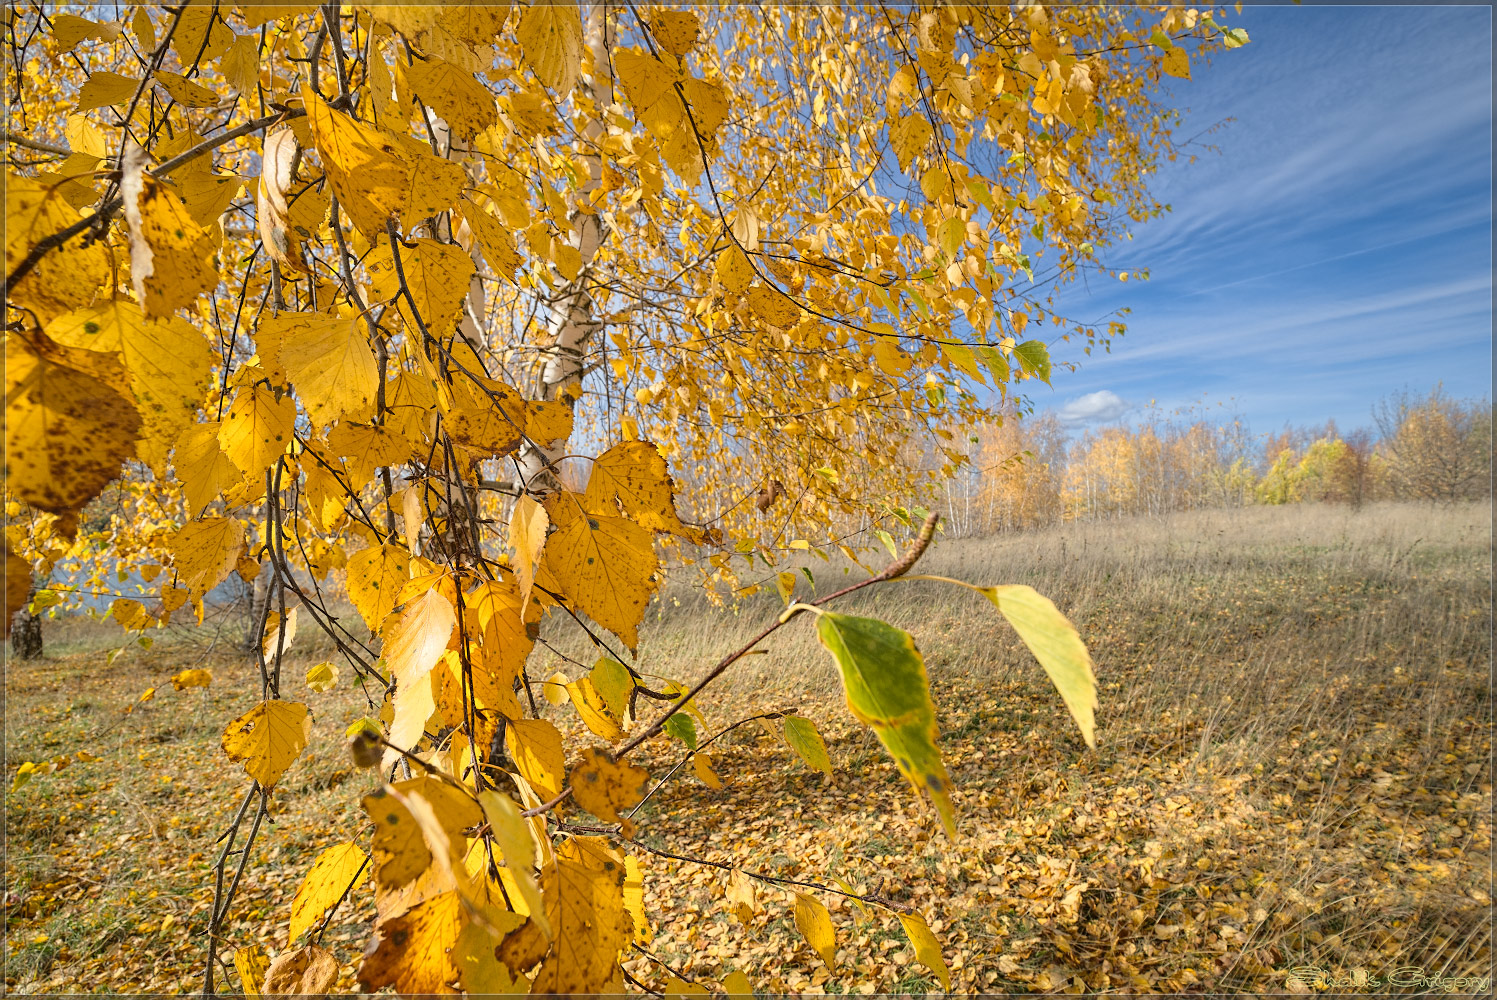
632 476
192 678
306 972
528 524
650 86
367 175
70 29
64 279
437 275
773 306
200 34
202 467
1176 62
675 30
322 676
275 628
415 952
241 64
328 360
927 948
169 363
367 447
513 835
130 614
205 552
733 270
498 245
587 915
257 430
337 872
17 587
413 645
550 37
67 427
184 91
603 786
742 900
701 766
433 184
634 900
400 850
593 709
268 738
737 986
813 920
465 105
556 689
909 136
104 88
803 738
1054 641
250 962
605 566
536 748
172 258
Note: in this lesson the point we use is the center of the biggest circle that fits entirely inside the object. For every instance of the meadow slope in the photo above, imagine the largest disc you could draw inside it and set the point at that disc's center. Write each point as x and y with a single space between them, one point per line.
1293 771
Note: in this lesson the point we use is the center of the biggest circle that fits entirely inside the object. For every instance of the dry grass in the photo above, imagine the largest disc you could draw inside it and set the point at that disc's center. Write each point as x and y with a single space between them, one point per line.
1294 769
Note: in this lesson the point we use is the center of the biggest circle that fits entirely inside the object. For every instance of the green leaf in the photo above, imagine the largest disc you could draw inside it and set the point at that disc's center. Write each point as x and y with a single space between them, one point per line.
612 681
1034 358
1053 640
884 677
803 738
995 363
683 728
888 541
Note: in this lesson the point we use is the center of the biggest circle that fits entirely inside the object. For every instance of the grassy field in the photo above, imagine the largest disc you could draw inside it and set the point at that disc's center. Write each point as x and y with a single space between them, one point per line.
1293 771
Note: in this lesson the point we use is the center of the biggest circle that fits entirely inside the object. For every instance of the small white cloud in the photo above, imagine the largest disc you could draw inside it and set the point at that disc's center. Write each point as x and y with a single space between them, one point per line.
1092 408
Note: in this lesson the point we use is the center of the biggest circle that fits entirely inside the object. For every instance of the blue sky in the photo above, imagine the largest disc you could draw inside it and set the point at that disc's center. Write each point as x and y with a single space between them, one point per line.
1336 249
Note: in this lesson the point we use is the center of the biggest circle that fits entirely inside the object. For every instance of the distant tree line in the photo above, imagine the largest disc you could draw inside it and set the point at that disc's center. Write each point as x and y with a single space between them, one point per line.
1027 472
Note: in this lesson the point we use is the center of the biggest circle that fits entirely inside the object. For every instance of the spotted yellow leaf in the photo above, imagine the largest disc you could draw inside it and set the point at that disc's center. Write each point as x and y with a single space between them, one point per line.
268 739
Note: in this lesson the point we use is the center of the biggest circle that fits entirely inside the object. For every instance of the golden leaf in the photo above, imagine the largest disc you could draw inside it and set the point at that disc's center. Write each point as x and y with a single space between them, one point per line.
68 428
536 748
550 37
604 565
191 678
17 587
465 105
436 274
927 948
587 914
593 709
400 850
70 29
257 430
498 245
202 467
328 360
528 524
604 786
415 951
184 91
322 676
733 270
205 552
306 972
275 627
701 766
366 173
104 88
268 738
512 833
337 872
64 279
813 920
650 86
632 476
172 258
675 30
250 962
909 136
413 645
742 900
374 578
